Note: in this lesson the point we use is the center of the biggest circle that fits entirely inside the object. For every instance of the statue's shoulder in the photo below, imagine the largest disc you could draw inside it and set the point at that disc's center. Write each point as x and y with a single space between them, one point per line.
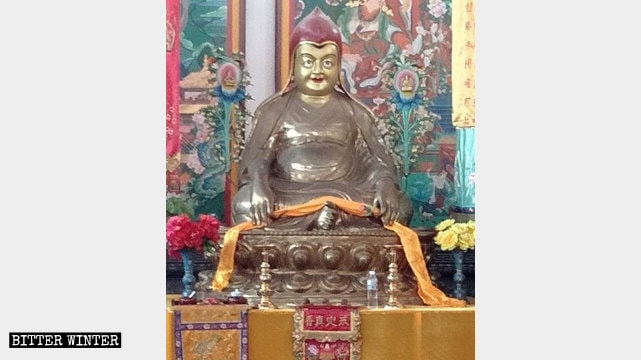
358 109
274 103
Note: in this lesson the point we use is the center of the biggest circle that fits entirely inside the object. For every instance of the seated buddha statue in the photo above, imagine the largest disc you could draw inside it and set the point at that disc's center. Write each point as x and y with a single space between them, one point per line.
314 139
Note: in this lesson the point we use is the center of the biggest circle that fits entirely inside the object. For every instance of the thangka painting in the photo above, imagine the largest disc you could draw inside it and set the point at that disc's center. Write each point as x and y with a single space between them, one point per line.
212 83
396 59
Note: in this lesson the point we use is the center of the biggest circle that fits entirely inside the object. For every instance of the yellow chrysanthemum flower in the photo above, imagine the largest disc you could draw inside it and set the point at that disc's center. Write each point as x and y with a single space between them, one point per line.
466 241
438 239
451 235
471 225
444 224
447 240
458 228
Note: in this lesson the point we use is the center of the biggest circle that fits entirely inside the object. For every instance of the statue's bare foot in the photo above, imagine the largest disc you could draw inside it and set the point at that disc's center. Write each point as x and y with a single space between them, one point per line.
327 218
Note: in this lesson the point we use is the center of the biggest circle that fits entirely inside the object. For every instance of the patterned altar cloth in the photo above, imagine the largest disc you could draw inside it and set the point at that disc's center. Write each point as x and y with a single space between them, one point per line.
210 332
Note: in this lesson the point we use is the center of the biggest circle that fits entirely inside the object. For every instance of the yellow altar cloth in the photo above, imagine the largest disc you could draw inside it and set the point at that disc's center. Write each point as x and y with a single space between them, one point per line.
412 333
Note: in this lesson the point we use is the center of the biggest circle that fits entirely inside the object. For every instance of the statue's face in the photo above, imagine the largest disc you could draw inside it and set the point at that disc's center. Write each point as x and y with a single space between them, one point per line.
316 69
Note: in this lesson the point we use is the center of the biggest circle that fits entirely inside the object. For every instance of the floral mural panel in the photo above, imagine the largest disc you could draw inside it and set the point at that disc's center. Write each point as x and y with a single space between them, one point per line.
205 155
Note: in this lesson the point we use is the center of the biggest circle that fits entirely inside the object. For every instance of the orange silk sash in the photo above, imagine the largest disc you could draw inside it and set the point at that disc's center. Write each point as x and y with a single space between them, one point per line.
430 294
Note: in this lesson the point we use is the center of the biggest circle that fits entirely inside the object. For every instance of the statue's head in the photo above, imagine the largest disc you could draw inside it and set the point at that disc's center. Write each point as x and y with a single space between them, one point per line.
316 69
315 50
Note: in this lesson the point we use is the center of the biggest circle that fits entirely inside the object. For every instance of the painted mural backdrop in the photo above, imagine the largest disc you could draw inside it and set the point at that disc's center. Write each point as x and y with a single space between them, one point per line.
203 30
397 61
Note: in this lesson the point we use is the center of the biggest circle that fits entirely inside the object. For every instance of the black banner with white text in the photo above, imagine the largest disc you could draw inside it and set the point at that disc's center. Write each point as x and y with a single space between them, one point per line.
65 340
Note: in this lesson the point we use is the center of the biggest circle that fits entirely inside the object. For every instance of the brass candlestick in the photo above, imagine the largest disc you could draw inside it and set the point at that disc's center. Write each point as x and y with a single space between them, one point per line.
265 290
392 279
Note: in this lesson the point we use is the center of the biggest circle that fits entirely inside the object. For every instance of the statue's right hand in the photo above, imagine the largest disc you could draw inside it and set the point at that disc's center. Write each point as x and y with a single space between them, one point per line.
262 203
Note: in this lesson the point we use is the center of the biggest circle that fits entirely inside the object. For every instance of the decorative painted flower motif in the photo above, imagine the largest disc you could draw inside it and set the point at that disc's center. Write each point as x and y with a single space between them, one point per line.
193 162
407 117
226 114
228 78
237 96
437 8
198 118
406 83
405 86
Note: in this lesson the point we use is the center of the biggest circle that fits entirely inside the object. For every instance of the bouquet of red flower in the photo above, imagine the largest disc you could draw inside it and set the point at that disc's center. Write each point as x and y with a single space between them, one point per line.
201 235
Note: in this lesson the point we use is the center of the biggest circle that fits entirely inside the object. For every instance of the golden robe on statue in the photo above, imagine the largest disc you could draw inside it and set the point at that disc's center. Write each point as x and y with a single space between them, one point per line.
332 149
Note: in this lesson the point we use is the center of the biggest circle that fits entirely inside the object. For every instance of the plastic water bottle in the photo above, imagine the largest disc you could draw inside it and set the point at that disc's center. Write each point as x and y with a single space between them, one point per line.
372 289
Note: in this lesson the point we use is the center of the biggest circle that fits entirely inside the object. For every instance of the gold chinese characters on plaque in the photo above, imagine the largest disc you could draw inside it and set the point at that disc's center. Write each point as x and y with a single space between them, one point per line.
327 332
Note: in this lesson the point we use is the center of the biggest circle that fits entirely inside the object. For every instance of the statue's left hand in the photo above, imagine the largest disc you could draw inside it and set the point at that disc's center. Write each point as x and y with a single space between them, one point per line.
386 199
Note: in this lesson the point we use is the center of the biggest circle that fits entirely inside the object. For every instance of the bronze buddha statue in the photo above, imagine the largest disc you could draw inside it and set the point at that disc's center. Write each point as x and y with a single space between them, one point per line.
318 193
313 139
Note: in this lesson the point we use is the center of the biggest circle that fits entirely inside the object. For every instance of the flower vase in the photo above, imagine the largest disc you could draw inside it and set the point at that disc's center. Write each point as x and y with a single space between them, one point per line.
188 279
459 277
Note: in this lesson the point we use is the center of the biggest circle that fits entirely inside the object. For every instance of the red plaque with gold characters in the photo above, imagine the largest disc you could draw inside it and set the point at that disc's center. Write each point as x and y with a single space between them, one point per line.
327 332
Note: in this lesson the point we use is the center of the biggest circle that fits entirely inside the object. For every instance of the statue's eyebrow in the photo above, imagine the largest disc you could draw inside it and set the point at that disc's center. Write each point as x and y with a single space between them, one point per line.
314 57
